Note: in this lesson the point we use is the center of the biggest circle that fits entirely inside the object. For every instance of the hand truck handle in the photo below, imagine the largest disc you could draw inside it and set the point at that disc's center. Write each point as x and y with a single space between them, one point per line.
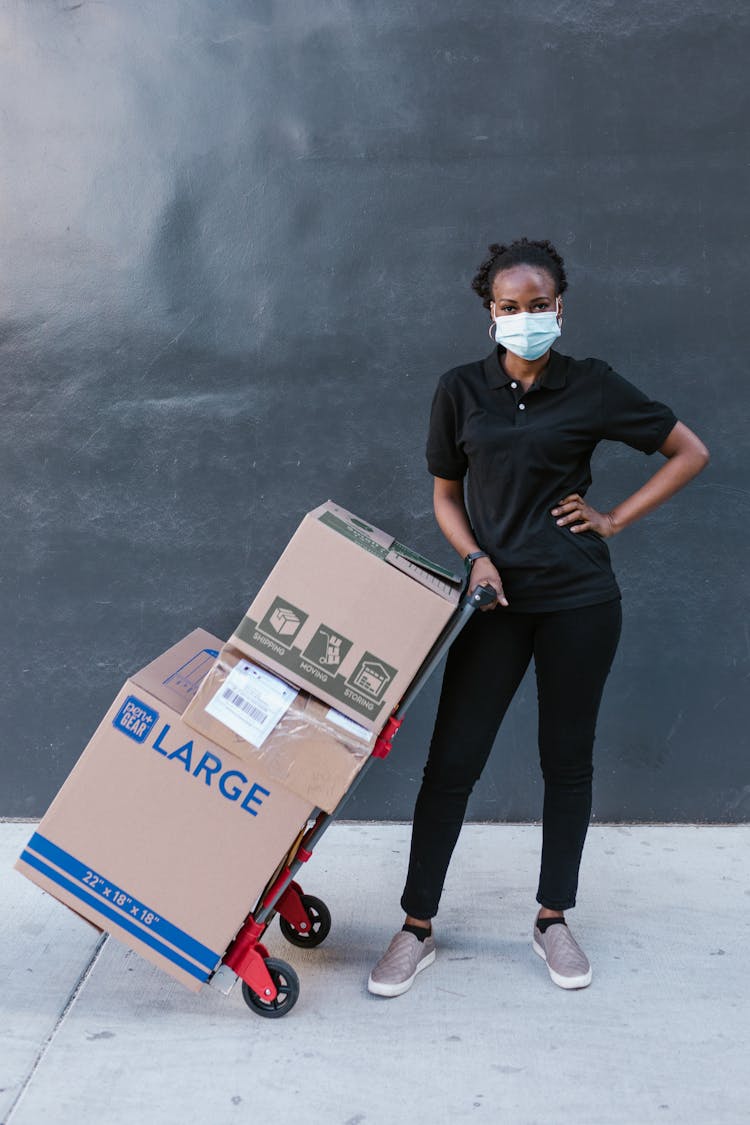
481 596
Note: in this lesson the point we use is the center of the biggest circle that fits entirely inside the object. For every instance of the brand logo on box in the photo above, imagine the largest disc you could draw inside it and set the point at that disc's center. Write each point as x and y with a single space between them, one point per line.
135 719
327 648
282 621
372 676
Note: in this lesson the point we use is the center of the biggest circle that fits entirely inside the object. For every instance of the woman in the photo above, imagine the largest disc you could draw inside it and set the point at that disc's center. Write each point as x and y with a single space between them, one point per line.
523 424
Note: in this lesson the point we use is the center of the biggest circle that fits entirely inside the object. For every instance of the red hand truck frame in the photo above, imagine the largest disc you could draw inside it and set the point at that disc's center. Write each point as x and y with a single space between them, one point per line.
270 986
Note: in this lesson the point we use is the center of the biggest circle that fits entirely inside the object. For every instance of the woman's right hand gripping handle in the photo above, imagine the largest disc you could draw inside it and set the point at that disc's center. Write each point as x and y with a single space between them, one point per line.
483 573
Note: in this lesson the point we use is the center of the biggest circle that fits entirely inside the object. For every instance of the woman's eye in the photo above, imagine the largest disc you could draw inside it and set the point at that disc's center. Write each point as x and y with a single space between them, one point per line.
542 306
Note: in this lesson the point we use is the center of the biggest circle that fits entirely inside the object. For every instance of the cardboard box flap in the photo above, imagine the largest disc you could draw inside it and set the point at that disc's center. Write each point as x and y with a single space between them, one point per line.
173 678
352 527
423 563
379 543
435 578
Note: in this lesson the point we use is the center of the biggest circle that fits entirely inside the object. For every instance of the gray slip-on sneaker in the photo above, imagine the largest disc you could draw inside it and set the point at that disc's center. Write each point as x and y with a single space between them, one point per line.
567 964
396 970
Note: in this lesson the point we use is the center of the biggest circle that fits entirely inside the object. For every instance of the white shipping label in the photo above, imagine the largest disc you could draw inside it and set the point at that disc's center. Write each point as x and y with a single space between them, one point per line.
251 702
348 725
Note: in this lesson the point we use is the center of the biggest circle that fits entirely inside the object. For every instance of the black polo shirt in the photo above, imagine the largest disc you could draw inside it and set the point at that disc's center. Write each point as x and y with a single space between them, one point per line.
523 453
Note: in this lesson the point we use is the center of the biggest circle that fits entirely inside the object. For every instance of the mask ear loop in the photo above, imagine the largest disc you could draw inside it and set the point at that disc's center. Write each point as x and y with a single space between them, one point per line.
490 327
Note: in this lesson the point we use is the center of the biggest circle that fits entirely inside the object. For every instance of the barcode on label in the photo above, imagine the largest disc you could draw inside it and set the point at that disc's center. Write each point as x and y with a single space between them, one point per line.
244 705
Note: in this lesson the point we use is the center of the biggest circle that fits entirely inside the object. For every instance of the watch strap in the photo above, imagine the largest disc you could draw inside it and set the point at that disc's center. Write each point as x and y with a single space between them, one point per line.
470 558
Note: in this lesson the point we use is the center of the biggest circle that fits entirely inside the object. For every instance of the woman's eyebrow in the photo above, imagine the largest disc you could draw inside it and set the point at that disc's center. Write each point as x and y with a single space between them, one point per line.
513 301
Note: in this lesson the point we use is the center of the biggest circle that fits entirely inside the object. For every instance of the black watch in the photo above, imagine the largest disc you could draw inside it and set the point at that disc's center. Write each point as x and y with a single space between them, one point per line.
470 558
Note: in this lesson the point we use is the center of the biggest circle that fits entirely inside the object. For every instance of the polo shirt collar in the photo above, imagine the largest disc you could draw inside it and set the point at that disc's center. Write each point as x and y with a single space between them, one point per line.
553 376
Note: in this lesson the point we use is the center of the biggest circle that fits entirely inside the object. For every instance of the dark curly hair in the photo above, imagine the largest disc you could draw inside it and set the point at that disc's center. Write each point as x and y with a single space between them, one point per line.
522 252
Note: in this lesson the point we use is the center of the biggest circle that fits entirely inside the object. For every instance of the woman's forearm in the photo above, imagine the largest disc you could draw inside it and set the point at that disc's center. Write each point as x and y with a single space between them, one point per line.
453 521
686 456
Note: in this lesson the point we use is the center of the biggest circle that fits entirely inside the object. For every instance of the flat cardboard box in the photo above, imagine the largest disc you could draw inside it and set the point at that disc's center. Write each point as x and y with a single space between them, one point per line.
348 614
160 837
313 750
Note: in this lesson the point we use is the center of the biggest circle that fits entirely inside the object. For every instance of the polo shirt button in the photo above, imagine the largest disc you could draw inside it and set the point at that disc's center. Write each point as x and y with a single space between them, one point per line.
521 406
514 385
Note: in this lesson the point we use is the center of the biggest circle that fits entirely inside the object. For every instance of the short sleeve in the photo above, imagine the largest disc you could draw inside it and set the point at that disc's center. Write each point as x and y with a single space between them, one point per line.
444 456
630 416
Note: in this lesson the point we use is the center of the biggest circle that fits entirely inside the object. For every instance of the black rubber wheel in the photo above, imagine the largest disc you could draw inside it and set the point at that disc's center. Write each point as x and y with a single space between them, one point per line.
286 981
320 924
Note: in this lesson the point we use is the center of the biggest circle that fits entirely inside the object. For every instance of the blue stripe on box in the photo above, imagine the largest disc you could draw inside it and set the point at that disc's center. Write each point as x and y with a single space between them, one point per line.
117 899
121 919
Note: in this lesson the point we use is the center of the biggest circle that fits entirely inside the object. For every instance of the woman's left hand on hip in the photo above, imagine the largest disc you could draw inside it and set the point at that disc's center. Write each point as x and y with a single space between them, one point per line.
574 510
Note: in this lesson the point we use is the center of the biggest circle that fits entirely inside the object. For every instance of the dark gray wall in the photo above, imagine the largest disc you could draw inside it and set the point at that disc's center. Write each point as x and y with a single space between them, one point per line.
237 242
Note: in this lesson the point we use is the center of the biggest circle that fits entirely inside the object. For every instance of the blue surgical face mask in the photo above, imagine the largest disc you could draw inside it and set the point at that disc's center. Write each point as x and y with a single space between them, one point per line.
527 335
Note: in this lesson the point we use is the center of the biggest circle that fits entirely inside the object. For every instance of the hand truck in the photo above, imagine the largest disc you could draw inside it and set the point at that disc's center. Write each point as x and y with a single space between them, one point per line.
270 986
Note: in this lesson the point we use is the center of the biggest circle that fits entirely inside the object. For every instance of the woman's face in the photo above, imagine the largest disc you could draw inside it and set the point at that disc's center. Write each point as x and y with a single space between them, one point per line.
524 289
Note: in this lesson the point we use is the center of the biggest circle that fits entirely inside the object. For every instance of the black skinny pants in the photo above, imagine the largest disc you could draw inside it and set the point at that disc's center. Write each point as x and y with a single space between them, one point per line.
573 652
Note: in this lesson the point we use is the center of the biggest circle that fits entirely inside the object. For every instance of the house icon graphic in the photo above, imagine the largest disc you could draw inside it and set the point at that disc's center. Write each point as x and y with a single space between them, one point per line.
372 677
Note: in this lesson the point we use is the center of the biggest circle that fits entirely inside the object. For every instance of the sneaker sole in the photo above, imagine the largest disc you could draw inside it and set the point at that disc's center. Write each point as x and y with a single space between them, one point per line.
379 988
562 982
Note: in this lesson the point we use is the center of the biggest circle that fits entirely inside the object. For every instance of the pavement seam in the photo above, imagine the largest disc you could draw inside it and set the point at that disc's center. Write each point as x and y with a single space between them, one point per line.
42 1052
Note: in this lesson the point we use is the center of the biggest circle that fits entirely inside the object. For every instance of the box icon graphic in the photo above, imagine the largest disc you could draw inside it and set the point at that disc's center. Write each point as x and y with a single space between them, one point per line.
327 648
283 621
135 719
372 676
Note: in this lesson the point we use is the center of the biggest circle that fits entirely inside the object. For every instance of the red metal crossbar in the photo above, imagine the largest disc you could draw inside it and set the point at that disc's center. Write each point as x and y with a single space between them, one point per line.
384 743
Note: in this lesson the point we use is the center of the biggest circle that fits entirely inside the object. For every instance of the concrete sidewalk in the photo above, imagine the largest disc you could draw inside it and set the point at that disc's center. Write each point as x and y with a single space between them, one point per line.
92 1034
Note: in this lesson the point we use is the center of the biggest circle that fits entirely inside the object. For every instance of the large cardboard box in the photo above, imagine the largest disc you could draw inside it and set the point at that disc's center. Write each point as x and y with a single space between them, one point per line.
305 745
348 614
161 837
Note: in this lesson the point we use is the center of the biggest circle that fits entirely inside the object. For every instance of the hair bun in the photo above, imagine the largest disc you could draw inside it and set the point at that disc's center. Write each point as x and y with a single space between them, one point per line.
522 252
